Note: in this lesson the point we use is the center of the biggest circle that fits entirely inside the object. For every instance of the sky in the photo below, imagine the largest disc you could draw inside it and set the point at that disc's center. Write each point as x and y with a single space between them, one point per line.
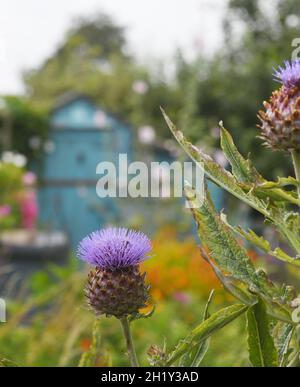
30 30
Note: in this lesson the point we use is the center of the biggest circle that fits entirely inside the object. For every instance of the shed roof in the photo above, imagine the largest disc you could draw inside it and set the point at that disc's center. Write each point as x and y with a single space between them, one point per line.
69 97
74 110
73 96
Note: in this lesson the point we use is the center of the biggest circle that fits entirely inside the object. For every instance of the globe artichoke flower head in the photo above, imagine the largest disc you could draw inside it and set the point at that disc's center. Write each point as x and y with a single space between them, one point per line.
115 286
280 122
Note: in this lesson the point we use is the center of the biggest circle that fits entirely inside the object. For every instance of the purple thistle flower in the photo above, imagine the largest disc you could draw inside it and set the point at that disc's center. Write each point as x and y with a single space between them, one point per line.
114 248
288 75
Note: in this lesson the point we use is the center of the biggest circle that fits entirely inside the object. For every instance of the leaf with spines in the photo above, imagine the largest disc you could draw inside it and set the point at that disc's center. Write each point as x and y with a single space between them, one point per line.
246 174
203 346
203 331
194 357
259 199
214 171
262 243
281 182
280 196
221 244
242 169
235 287
287 222
262 351
232 258
283 334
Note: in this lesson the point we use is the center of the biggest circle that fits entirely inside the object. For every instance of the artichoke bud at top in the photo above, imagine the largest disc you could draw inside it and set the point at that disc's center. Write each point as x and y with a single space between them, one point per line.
115 287
280 122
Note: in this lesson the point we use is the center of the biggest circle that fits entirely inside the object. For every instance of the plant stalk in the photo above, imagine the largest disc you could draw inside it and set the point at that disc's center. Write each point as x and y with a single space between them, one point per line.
129 342
296 162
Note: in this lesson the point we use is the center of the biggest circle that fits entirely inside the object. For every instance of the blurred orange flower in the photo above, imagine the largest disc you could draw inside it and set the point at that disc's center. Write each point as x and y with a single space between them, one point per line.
178 267
85 344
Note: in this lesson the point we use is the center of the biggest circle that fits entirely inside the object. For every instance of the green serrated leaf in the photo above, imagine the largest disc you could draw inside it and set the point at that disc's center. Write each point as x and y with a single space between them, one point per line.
283 256
203 331
246 173
288 224
275 194
203 346
236 288
214 171
230 256
249 194
250 236
194 357
262 243
242 169
262 351
223 247
281 182
284 333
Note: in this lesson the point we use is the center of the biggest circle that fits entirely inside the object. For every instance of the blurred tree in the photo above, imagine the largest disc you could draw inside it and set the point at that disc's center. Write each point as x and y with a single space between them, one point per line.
93 60
23 128
232 86
99 32
91 52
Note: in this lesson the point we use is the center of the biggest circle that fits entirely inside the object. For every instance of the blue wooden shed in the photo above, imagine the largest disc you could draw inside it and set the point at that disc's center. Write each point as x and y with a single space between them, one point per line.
82 135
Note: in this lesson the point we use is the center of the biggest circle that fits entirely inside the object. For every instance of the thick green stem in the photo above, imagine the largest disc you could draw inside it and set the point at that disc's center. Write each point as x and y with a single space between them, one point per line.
296 162
129 343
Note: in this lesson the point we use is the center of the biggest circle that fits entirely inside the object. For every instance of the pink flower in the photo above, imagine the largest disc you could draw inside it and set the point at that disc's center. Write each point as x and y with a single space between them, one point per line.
29 178
181 297
5 210
140 87
29 210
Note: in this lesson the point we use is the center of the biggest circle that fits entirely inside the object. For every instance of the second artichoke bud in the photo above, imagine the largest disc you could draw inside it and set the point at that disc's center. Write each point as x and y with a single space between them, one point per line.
280 122
115 287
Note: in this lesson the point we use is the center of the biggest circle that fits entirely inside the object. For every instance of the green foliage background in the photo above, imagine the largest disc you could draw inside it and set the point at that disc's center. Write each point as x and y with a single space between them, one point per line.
93 59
